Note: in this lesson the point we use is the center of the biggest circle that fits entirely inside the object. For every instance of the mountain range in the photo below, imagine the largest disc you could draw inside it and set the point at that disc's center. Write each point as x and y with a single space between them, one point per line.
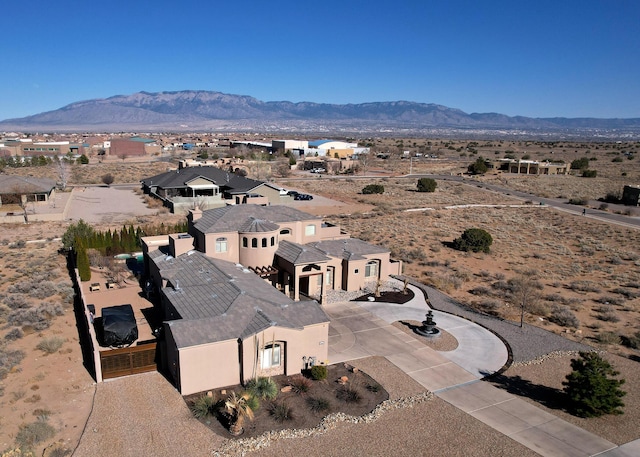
207 110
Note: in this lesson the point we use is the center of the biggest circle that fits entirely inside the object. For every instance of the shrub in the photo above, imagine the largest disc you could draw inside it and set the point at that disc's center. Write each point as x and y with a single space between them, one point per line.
578 201
318 372
348 394
608 338
300 384
14 334
580 164
478 167
31 434
202 406
108 179
8 360
373 189
318 404
427 185
253 402
632 341
374 387
562 315
607 313
589 173
263 388
50 345
473 239
592 388
281 412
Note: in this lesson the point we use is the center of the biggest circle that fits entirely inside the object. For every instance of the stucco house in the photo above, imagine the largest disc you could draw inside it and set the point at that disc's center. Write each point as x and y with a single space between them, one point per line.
22 190
241 291
210 187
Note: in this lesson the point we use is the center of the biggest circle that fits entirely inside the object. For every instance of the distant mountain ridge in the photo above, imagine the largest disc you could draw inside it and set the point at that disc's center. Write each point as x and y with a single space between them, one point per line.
195 109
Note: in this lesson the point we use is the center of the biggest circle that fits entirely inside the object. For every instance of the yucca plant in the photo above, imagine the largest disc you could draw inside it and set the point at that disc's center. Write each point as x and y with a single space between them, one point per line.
238 407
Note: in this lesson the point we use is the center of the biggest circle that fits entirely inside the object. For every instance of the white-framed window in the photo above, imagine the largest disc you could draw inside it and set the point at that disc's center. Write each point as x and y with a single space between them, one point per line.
271 356
221 244
285 231
371 269
310 230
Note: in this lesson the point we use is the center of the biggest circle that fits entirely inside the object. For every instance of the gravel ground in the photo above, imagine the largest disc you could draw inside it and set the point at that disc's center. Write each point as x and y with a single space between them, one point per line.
525 344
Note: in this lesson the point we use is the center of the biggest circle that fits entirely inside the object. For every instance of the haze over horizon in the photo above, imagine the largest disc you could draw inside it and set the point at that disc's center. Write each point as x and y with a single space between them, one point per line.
539 59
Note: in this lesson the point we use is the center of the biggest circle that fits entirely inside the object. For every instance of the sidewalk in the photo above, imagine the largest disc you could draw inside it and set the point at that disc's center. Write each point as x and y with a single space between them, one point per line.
362 329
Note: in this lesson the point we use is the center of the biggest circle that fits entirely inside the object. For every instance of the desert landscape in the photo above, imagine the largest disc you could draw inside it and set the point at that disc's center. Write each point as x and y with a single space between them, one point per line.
584 273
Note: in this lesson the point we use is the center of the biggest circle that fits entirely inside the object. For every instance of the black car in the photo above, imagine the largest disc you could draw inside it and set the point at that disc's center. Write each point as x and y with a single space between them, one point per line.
303 197
293 193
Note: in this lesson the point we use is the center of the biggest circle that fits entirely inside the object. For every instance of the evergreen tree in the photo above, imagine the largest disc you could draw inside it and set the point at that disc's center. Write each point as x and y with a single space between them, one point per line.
592 388
82 259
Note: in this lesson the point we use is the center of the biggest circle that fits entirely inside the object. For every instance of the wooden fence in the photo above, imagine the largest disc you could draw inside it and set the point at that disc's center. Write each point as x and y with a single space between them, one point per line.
126 361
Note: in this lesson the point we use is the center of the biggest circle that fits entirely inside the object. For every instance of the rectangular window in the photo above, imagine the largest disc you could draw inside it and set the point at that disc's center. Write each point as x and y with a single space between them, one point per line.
270 356
310 230
221 245
371 269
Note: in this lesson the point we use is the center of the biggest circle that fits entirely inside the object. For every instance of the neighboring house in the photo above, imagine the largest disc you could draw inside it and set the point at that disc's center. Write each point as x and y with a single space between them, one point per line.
208 187
529 167
22 190
237 290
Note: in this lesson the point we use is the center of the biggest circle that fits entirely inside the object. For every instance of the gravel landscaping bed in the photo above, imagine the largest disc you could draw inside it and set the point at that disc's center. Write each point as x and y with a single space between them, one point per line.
525 344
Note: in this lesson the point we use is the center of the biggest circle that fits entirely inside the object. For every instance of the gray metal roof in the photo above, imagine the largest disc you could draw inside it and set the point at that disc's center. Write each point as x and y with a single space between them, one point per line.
233 218
23 185
219 301
252 225
348 248
298 254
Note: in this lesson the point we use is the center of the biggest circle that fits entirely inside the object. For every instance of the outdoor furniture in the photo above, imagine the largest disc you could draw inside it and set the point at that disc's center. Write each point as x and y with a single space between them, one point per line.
94 286
111 285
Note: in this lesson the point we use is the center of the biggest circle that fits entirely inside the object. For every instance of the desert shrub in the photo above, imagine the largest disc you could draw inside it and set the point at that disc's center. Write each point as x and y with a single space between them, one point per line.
608 338
584 286
427 185
589 173
611 299
253 402
50 345
490 306
280 411
16 301
8 359
318 372
14 334
373 189
592 387
632 341
473 239
578 201
318 404
262 388
348 394
478 167
480 290
629 294
580 164
562 315
36 432
374 387
37 317
108 179
299 384
202 406
608 313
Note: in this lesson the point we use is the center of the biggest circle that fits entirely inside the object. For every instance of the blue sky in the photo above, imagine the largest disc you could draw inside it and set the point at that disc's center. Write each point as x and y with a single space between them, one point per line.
536 58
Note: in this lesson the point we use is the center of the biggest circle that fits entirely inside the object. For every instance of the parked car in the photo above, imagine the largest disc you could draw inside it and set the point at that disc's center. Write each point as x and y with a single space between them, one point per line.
293 193
303 197
318 170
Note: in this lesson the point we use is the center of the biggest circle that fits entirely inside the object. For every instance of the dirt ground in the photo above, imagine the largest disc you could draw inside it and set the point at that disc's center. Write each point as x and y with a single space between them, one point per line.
586 265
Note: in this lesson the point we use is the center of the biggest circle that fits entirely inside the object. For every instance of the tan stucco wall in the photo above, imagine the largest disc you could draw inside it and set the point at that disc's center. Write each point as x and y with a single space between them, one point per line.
208 367
209 246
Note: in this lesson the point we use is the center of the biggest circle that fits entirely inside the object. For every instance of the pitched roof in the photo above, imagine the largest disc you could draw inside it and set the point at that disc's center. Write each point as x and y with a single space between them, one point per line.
348 248
235 218
219 301
298 254
23 185
179 178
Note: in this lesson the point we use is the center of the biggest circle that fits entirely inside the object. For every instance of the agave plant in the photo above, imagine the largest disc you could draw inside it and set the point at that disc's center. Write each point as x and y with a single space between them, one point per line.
238 407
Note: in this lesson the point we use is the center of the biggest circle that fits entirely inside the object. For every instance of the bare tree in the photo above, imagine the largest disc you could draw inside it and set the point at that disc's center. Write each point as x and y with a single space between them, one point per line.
62 167
526 290
365 160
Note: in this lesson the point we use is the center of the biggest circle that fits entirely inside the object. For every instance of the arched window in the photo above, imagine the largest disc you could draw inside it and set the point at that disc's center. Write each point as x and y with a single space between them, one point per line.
285 232
371 269
273 241
264 242
254 242
221 244
271 356
245 242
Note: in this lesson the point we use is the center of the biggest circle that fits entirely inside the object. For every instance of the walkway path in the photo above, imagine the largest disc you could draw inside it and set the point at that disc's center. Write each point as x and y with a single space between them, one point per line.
362 329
